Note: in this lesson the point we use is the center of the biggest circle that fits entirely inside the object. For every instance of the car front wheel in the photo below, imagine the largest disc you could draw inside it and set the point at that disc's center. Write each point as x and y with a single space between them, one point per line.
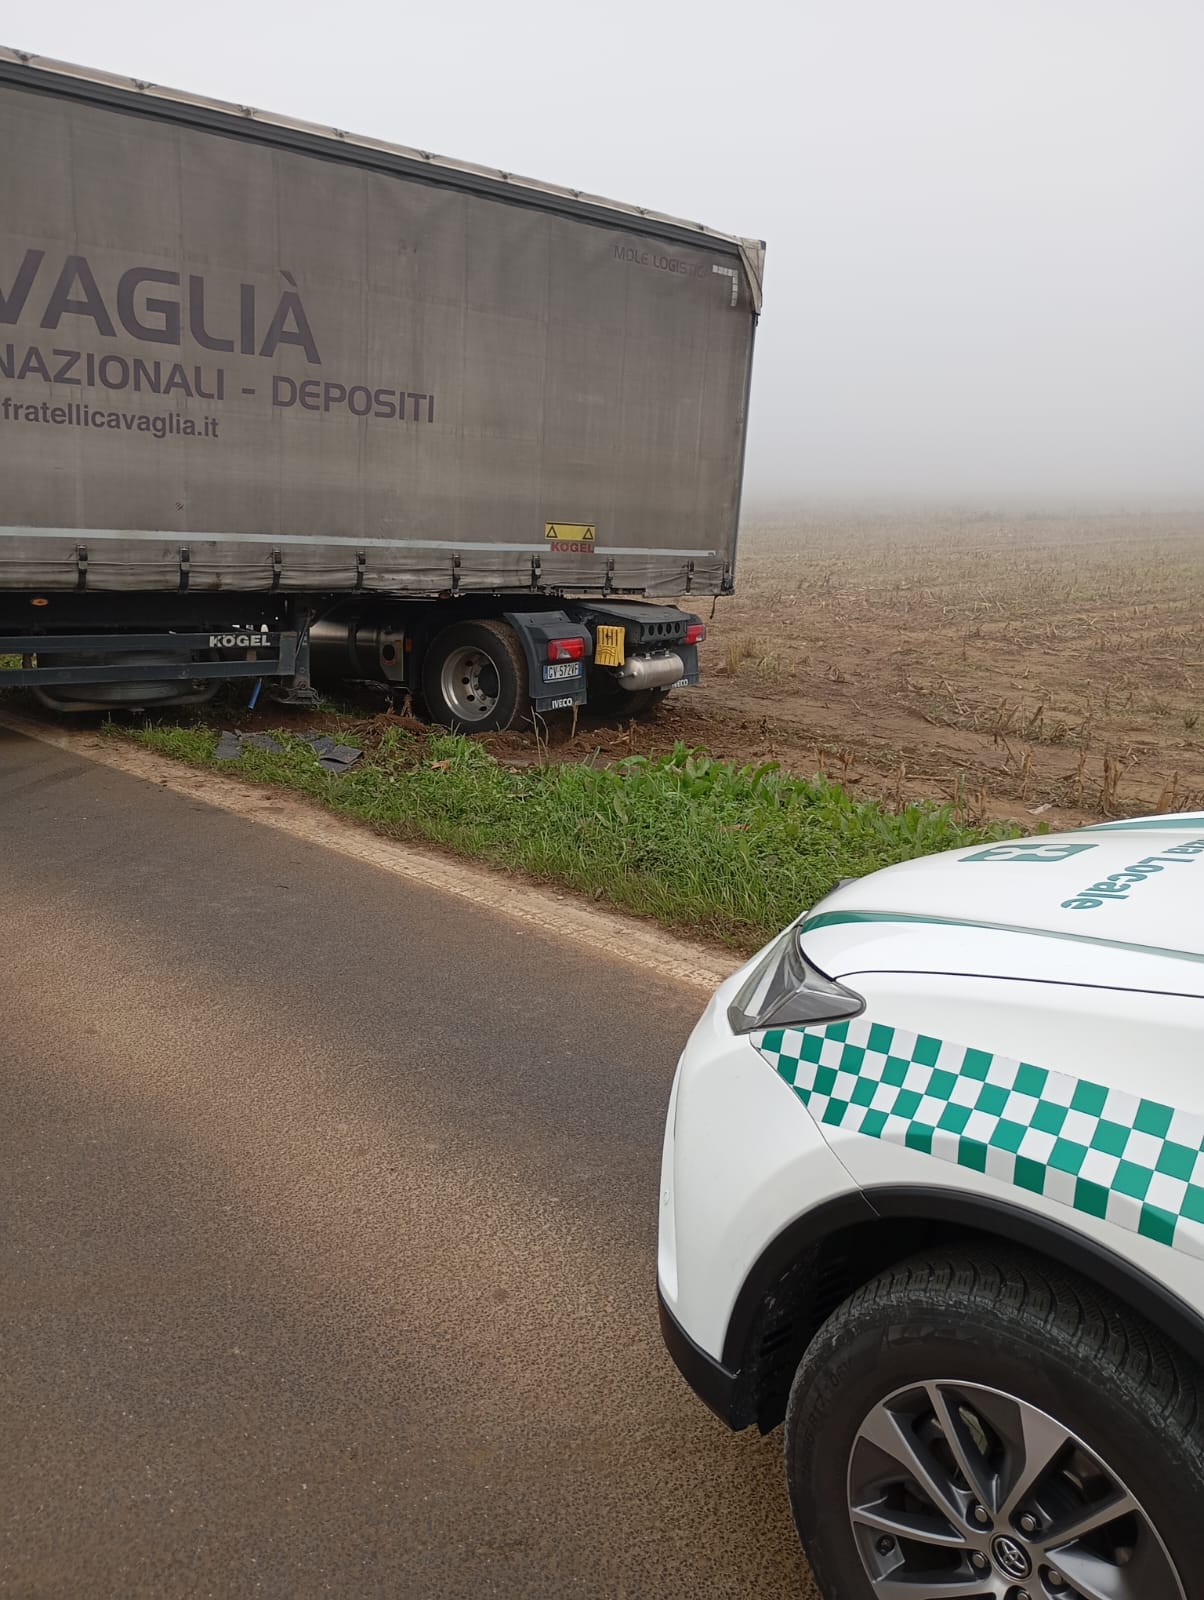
986 1427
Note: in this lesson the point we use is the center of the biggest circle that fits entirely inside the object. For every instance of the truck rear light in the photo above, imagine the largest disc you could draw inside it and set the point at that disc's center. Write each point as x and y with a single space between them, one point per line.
566 649
696 632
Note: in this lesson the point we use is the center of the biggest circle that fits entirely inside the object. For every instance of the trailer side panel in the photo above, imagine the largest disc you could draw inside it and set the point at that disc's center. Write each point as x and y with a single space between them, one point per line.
285 369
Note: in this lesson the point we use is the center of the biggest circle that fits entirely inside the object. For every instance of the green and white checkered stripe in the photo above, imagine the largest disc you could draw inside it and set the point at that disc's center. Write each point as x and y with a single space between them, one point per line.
1136 1162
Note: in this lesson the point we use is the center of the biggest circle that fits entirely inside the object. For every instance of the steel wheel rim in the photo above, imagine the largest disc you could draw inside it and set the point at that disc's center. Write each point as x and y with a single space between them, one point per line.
469 683
957 1491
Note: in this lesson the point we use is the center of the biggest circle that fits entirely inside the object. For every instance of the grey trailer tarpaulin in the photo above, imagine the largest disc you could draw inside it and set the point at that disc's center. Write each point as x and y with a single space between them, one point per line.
263 356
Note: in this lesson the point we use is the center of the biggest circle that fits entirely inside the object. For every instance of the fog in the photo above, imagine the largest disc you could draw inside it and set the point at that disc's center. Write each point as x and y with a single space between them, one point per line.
984 219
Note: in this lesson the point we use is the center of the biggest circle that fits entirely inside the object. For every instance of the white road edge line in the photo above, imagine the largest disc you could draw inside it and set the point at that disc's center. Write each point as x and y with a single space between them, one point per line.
559 916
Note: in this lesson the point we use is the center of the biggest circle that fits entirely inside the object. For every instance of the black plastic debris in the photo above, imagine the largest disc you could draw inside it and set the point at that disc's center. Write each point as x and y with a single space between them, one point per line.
231 745
331 756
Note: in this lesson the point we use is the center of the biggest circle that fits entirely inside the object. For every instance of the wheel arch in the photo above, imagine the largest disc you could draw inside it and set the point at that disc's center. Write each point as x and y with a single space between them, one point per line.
822 1257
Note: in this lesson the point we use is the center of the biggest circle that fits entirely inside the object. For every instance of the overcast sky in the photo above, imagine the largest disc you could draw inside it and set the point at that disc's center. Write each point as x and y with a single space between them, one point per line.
984 217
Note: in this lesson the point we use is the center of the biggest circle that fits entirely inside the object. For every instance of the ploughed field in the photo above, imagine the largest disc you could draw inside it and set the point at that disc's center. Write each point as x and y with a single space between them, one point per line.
1036 667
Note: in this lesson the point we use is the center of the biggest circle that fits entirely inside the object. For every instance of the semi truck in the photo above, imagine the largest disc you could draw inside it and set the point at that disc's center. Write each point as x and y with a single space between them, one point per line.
288 405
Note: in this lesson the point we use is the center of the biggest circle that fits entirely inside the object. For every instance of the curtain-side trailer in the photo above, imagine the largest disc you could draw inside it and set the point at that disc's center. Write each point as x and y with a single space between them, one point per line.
275 400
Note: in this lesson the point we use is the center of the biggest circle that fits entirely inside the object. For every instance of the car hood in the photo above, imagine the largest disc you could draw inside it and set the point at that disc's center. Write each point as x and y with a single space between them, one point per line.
1120 904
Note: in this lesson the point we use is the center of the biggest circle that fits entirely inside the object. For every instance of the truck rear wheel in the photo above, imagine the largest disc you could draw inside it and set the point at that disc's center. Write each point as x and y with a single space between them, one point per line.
474 677
642 702
608 696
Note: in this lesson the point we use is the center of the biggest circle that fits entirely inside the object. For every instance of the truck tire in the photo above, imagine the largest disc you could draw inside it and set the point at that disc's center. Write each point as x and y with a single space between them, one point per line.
610 699
956 1418
474 677
649 701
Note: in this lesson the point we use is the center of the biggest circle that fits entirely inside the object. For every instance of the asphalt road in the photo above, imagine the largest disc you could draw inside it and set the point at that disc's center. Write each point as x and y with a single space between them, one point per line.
327 1227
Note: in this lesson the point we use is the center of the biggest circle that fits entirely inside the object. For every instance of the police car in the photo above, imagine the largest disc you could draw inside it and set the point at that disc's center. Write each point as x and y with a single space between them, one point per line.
933 1195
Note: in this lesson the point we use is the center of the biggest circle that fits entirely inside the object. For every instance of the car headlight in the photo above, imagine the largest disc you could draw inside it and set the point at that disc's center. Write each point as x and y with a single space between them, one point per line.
785 991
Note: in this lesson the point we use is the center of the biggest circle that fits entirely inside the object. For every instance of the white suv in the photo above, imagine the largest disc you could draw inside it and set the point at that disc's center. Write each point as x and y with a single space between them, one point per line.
933 1194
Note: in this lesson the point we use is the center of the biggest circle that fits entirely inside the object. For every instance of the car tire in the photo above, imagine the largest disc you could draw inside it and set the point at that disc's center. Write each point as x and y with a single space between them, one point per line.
475 679
930 1387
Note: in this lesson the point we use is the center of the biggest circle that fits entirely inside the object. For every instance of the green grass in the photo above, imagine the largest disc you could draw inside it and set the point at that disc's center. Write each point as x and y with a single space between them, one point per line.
722 850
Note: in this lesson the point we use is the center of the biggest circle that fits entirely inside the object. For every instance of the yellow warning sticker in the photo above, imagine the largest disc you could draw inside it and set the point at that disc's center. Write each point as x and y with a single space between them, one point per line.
570 532
610 649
